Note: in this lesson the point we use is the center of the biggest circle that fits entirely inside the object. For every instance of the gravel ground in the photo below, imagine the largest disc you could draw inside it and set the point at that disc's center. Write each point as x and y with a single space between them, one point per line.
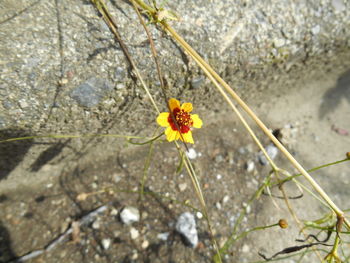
62 73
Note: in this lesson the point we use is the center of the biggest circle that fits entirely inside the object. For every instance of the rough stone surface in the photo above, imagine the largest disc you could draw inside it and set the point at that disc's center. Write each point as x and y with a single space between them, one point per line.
186 226
90 93
48 51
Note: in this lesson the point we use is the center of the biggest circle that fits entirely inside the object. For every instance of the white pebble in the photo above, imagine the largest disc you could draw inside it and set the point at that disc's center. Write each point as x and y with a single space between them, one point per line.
145 244
199 215
114 212
250 166
117 178
96 224
245 248
279 42
130 215
218 176
163 236
182 187
186 226
106 243
315 30
134 256
23 104
225 199
191 153
134 233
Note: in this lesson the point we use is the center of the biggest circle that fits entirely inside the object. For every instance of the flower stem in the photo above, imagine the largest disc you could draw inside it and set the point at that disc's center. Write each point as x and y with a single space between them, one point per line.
262 126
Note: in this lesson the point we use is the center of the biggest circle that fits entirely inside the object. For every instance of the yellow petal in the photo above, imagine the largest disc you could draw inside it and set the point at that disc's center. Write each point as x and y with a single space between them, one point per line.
187 107
171 135
174 103
187 137
162 119
197 122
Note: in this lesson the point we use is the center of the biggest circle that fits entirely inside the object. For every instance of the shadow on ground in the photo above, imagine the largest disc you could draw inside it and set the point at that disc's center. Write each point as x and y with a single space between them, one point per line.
12 153
51 211
6 253
333 96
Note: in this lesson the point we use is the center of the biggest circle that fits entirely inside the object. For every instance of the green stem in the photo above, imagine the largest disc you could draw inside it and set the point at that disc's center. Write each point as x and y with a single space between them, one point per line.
146 142
61 136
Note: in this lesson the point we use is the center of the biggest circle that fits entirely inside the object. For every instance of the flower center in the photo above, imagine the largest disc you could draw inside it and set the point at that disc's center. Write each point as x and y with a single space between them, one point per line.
183 119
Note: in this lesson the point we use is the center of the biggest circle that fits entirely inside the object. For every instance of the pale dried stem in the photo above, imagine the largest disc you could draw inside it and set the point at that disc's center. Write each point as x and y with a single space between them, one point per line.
262 126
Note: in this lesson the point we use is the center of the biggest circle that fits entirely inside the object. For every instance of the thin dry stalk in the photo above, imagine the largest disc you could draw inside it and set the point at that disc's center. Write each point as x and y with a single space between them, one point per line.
262 126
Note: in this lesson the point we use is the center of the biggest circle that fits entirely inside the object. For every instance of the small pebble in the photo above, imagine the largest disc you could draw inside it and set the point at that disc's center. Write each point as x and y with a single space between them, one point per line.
225 199
245 248
279 42
163 236
186 226
219 158
242 150
23 104
96 224
134 256
218 176
134 233
145 244
191 154
218 205
199 215
250 166
271 150
315 30
144 215
114 212
129 215
106 243
182 187
117 178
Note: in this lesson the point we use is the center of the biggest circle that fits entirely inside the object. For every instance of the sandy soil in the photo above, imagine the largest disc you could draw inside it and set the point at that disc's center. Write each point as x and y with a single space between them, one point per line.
314 118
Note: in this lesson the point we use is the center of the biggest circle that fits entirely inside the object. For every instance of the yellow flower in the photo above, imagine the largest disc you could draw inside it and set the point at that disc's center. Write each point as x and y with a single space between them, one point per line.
185 121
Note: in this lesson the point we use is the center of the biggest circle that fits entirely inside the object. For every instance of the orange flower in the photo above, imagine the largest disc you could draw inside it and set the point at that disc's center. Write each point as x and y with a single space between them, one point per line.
185 121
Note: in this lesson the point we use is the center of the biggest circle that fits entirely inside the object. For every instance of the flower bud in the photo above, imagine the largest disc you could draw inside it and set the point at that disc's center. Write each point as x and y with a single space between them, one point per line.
283 223
348 155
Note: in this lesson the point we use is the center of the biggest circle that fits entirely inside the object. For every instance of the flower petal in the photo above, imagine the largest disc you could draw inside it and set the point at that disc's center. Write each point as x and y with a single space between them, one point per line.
187 107
171 135
187 137
174 103
197 122
162 119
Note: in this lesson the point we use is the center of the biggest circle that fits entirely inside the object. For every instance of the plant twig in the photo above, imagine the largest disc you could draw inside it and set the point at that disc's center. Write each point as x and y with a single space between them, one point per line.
102 8
262 126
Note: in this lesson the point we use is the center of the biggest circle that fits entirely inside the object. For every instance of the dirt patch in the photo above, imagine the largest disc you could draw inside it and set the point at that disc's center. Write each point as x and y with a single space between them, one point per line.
34 216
